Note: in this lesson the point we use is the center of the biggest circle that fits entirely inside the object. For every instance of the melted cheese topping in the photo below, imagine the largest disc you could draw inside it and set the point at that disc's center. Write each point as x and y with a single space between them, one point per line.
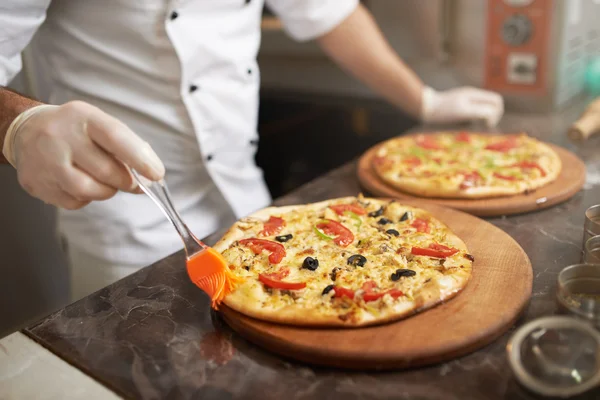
385 254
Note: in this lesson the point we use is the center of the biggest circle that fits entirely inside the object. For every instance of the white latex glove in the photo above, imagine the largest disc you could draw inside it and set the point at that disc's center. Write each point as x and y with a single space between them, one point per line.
461 105
73 154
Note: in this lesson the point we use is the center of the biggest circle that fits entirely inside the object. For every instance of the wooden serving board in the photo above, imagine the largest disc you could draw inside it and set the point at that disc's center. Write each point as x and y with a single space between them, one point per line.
498 291
570 180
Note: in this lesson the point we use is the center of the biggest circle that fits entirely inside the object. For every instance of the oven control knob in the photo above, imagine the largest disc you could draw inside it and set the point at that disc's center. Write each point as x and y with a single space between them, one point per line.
517 30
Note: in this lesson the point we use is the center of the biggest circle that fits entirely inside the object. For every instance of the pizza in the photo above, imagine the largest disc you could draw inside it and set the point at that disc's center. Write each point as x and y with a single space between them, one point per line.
346 262
466 165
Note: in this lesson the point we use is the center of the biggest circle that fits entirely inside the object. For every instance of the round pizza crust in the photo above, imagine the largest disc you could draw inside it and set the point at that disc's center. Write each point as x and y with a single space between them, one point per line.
430 187
433 293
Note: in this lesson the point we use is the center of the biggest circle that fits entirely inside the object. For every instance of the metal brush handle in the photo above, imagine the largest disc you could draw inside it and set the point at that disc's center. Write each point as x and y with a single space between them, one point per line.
159 193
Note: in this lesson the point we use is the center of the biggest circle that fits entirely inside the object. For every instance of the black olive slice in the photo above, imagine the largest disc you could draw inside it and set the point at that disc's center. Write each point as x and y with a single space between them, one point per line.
402 273
405 216
392 232
384 221
469 257
357 260
328 289
377 213
310 263
284 238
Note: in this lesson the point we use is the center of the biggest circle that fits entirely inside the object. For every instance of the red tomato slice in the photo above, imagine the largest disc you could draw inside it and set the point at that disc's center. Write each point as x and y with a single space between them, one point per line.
340 209
369 286
463 137
505 177
271 280
273 226
470 180
503 146
412 161
279 275
379 160
258 245
341 292
343 236
427 142
395 293
434 250
370 295
530 165
441 247
421 225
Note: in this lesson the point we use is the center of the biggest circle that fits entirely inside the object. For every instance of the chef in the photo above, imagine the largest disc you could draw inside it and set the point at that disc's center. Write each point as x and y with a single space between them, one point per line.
170 88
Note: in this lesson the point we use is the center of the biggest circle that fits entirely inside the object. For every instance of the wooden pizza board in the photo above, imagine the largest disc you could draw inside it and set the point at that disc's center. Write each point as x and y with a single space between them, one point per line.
498 291
570 180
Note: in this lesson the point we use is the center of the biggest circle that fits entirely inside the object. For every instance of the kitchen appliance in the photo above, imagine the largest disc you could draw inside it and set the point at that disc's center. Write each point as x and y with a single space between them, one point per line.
533 52
536 51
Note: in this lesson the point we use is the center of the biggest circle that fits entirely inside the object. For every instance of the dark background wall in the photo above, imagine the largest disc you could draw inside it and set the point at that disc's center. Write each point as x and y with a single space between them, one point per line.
302 136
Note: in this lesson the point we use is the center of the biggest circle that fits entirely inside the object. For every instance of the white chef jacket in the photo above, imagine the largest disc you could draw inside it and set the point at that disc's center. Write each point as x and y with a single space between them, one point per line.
183 75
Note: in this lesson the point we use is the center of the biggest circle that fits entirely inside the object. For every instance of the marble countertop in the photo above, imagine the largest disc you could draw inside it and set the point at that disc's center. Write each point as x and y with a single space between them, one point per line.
152 335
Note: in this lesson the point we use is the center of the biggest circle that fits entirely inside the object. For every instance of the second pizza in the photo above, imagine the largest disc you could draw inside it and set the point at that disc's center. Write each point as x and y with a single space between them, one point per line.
465 164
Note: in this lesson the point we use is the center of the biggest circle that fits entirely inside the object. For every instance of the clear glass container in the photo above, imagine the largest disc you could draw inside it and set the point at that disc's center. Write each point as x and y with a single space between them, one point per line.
591 250
591 225
556 356
579 291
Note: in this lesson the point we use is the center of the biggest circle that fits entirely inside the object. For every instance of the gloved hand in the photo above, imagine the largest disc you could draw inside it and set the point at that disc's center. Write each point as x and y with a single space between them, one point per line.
461 105
73 154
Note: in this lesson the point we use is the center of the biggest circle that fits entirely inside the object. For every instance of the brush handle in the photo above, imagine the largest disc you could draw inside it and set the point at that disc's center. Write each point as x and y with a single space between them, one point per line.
159 193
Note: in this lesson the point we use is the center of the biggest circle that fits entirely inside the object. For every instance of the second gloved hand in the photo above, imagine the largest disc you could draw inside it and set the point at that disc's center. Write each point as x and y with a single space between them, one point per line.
461 105
73 154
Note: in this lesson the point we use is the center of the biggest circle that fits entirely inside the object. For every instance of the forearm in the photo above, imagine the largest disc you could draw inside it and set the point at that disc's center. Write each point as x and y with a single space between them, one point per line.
11 105
360 48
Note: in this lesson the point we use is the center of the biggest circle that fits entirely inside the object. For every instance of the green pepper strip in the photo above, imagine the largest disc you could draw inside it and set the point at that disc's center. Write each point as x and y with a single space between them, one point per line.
417 152
322 235
355 217
489 163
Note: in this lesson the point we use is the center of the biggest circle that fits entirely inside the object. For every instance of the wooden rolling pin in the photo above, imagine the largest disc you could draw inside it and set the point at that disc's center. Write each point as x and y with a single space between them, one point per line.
588 124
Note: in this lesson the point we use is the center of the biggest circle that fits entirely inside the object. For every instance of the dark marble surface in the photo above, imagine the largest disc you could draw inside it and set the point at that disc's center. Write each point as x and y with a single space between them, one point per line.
152 336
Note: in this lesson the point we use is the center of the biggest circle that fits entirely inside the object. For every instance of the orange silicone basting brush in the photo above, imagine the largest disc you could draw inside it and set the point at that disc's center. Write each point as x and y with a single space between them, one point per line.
205 266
